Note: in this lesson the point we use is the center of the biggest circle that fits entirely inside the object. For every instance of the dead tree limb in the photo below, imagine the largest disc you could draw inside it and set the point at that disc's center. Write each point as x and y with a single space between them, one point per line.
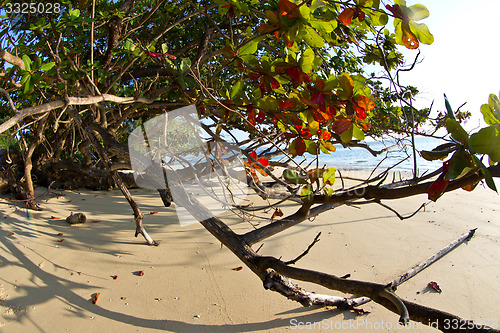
87 100
270 268
138 216
432 259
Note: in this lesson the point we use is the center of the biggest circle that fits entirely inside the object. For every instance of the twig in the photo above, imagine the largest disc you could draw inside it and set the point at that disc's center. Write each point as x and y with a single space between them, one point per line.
303 254
11 103
401 217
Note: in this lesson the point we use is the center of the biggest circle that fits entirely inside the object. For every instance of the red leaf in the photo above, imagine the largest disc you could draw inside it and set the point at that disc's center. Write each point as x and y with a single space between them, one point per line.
361 114
395 10
363 103
253 154
305 77
320 84
345 17
409 38
360 15
306 133
114 277
470 187
254 76
239 268
300 146
140 273
285 105
171 56
288 8
60 234
318 98
266 28
251 113
11 234
155 55
274 83
263 161
153 213
341 125
326 135
261 116
293 73
60 241
320 116
437 188
95 221
434 286
95 298
55 218
277 213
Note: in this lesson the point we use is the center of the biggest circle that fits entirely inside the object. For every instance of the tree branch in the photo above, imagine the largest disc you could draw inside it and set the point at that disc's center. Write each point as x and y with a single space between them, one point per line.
88 100
12 59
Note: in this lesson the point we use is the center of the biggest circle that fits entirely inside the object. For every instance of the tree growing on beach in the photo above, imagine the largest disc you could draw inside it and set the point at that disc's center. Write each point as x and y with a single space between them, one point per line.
278 78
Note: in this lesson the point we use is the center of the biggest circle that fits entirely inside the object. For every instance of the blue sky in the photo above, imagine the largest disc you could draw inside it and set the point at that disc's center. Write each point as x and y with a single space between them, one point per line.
463 61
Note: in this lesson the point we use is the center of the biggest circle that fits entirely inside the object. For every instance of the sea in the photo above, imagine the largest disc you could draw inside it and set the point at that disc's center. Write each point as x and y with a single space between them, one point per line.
398 158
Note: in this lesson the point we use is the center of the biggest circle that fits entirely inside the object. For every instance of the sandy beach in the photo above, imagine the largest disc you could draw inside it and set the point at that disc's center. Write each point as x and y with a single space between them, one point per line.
50 271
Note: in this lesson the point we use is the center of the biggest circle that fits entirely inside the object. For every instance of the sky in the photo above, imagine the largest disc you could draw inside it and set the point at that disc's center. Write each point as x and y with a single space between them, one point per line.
463 61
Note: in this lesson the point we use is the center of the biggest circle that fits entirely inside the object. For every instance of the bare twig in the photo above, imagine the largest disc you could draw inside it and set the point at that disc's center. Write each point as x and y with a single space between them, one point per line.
303 254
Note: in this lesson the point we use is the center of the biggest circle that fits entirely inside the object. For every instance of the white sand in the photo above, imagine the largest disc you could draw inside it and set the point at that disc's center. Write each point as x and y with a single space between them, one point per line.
189 285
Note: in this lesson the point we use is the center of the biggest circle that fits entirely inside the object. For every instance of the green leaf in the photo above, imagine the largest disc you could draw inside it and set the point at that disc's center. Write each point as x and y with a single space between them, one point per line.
347 135
164 48
460 164
321 25
487 141
306 193
311 147
329 176
457 132
236 89
28 86
305 12
451 115
25 77
379 18
422 32
347 85
358 133
486 173
310 36
250 47
74 13
328 147
434 155
184 65
491 111
47 66
293 177
328 191
181 81
419 12
315 4
306 61
268 102
27 62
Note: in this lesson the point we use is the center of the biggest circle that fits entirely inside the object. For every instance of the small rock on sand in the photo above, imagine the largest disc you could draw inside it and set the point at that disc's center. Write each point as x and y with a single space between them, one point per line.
77 218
